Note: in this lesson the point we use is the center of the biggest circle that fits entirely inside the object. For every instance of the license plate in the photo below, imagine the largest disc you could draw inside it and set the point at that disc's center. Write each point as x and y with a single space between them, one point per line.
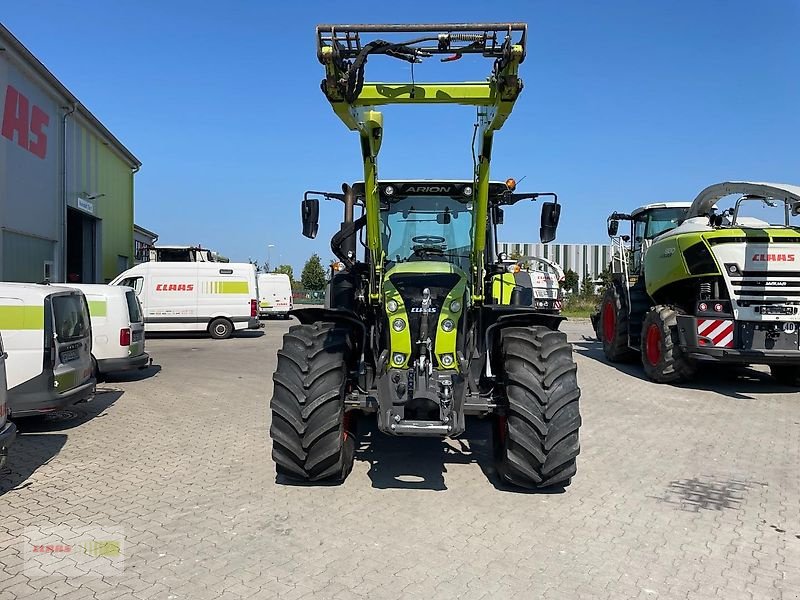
69 355
777 310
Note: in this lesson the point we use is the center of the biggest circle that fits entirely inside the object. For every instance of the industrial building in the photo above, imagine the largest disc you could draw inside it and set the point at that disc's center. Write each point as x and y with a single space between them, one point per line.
587 260
66 183
143 241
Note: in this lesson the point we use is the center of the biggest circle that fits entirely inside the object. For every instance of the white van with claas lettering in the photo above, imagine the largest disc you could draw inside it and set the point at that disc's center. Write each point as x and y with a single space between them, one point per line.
274 295
195 296
47 336
117 328
8 431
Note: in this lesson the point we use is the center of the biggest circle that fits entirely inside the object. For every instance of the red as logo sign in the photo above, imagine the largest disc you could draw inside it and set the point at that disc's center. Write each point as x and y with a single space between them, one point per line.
28 124
174 287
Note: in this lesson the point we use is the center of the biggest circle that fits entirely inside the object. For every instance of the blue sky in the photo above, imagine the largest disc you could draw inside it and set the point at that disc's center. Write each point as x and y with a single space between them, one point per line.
626 102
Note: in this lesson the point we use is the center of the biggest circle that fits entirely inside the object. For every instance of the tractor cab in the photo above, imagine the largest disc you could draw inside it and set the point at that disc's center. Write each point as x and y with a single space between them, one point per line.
645 224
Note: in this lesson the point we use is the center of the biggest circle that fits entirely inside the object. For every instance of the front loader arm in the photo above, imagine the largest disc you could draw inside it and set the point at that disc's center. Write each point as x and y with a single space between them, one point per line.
340 50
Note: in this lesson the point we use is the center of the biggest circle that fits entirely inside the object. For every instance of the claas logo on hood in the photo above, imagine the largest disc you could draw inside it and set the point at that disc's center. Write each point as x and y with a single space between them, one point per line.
773 258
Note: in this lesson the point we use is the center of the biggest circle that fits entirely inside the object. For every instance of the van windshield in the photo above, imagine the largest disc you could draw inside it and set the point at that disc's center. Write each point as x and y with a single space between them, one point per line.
133 308
72 318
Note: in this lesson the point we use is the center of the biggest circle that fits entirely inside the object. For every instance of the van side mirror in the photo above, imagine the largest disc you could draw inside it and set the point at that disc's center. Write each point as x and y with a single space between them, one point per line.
613 228
551 212
795 208
310 214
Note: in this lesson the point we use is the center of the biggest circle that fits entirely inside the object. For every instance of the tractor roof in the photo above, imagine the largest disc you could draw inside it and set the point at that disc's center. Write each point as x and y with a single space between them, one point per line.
655 205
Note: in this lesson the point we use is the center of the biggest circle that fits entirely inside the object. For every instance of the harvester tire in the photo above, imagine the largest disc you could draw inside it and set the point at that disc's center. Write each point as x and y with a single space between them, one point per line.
786 375
312 439
662 358
536 441
613 324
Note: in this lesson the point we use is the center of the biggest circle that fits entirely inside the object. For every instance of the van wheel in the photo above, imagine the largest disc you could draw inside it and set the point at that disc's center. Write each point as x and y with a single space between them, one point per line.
220 329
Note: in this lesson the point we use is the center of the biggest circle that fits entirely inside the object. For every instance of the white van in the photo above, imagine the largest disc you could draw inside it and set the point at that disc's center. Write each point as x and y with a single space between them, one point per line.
195 296
117 327
8 431
48 339
274 294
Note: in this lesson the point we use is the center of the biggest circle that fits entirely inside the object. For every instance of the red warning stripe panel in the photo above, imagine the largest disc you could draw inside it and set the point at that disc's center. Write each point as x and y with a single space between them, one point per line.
718 331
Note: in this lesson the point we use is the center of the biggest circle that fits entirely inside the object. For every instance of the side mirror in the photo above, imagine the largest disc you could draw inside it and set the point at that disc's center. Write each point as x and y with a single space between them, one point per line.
613 228
795 209
498 215
309 212
551 212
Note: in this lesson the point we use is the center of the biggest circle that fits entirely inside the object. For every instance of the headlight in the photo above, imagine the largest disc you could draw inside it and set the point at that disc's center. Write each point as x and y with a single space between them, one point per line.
448 325
399 359
389 190
455 306
398 324
447 360
391 306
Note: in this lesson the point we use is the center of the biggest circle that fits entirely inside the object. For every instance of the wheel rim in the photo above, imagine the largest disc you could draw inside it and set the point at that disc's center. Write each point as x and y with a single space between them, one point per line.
653 344
221 329
502 429
609 322
347 425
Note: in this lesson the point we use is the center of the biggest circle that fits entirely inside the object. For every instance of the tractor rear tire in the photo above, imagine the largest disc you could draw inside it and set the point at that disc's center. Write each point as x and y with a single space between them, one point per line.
312 439
613 326
786 375
662 358
536 442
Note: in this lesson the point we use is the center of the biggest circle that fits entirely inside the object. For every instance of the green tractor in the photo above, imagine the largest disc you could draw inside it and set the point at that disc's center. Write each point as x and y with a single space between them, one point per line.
427 326
694 284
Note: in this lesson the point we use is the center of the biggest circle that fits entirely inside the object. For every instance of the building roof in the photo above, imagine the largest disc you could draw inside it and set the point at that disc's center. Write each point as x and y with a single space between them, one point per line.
8 39
143 231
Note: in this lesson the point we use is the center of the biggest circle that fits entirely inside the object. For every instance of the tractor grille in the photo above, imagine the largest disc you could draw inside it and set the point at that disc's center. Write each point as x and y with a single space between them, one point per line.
410 287
766 287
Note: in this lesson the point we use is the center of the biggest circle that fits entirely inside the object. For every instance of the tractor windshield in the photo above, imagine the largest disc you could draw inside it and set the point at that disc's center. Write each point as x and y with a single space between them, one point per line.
656 221
427 228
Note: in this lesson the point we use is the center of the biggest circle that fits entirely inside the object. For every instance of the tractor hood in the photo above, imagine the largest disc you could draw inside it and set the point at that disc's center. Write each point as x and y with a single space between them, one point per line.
709 196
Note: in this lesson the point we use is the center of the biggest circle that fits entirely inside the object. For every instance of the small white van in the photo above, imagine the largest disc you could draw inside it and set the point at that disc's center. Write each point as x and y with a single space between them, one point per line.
117 327
274 294
8 431
195 296
47 336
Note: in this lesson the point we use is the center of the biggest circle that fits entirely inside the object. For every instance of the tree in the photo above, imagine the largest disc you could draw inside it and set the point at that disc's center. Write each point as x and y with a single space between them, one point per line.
313 276
570 281
286 270
587 286
605 276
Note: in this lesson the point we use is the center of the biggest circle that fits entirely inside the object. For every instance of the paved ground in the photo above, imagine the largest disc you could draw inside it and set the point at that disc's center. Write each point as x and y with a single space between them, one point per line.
680 494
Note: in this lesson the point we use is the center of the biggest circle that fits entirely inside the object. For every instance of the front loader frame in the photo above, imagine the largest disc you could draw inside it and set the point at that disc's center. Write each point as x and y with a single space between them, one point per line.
342 52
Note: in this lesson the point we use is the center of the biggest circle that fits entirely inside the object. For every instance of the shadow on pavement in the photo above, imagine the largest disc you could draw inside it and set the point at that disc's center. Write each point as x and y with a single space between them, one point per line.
39 439
202 335
136 375
420 462
732 381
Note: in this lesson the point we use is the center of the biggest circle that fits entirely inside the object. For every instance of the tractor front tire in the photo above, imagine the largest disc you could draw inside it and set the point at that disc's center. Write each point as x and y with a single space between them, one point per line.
613 326
312 439
536 442
662 358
